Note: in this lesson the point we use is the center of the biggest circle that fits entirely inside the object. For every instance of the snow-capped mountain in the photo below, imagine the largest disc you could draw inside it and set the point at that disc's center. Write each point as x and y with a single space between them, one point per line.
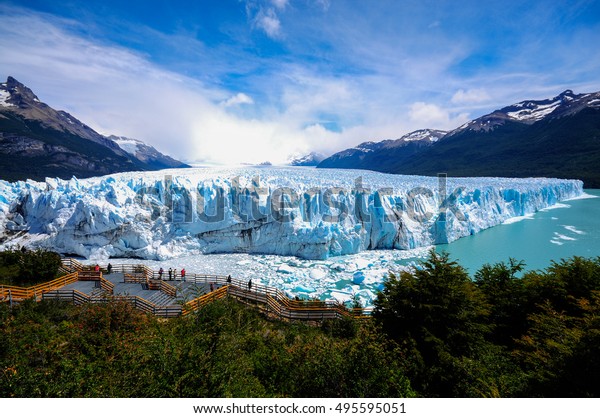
426 135
20 100
309 160
369 154
556 137
531 111
146 153
37 141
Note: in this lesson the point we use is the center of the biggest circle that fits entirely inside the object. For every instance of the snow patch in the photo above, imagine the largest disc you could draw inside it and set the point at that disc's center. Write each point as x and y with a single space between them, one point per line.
4 96
536 113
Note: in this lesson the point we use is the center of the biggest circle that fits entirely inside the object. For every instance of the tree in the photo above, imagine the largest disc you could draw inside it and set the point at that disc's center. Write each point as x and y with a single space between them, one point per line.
440 318
504 293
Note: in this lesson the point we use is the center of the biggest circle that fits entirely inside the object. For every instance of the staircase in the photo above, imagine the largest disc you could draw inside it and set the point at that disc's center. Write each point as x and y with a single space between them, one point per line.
161 299
98 293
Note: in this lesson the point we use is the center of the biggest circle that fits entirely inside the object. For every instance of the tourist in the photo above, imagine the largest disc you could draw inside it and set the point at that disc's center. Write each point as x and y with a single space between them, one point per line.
160 273
183 274
170 273
97 268
109 268
229 279
250 285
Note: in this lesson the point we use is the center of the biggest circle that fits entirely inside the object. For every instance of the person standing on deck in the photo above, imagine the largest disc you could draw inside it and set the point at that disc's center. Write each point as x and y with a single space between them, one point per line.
97 268
170 273
183 274
109 268
160 273
250 285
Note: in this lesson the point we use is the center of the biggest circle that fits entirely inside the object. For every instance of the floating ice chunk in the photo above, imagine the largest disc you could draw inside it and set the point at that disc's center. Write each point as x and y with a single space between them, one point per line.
573 229
358 277
318 274
341 296
303 289
284 268
564 237
517 219
555 206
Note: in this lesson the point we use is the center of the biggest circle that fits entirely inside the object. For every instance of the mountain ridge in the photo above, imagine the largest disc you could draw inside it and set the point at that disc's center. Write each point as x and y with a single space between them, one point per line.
370 153
37 141
556 137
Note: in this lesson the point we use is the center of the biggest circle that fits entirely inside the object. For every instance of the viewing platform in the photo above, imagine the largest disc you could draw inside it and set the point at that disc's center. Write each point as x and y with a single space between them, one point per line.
147 291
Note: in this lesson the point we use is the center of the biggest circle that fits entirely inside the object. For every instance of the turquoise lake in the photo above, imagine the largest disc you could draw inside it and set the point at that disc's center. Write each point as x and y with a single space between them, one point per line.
572 228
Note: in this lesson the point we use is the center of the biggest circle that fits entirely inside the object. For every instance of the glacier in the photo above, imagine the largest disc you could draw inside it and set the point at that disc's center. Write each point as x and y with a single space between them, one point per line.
293 211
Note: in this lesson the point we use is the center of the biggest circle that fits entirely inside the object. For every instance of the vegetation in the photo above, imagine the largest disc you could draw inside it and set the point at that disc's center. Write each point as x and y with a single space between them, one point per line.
499 335
28 268
227 349
566 147
435 332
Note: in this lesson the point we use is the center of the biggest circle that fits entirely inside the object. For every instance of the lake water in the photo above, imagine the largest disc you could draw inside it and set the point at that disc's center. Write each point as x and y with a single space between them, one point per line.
570 228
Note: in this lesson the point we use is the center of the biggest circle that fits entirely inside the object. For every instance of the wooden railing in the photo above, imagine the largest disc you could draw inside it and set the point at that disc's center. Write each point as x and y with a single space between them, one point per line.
17 293
136 270
71 265
270 299
134 278
167 288
199 302
106 285
137 302
89 275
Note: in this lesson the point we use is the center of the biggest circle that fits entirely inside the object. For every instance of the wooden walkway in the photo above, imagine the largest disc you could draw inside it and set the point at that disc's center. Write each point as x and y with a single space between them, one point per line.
141 287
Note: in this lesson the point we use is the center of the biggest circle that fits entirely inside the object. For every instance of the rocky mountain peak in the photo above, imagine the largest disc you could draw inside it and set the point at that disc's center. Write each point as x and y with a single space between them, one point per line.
20 94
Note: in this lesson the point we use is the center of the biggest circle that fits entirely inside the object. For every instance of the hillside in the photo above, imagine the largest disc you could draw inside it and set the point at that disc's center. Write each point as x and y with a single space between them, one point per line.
557 137
37 141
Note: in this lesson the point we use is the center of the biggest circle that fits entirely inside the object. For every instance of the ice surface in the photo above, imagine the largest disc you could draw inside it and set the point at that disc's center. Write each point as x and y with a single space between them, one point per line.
311 213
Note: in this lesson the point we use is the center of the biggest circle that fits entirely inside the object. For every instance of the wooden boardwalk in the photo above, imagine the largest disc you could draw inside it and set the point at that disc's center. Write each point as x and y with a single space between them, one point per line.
140 286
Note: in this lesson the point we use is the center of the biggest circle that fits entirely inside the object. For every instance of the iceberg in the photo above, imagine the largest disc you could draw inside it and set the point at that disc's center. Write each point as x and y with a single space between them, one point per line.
304 212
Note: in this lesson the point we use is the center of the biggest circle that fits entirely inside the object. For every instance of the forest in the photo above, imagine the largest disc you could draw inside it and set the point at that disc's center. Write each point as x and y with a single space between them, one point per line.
435 332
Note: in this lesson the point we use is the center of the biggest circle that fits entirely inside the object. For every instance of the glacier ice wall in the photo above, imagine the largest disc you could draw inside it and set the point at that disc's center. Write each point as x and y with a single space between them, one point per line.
304 212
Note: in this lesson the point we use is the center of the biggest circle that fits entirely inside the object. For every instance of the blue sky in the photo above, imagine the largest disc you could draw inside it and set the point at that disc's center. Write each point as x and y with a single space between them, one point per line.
252 80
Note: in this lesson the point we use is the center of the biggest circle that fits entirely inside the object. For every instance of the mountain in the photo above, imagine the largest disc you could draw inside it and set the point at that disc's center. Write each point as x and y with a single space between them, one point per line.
557 137
379 155
146 153
308 160
37 141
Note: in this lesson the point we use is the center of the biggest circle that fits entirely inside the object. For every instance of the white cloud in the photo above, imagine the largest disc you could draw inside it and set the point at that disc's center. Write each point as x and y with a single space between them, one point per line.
366 84
116 91
267 20
471 96
238 99
280 4
429 115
